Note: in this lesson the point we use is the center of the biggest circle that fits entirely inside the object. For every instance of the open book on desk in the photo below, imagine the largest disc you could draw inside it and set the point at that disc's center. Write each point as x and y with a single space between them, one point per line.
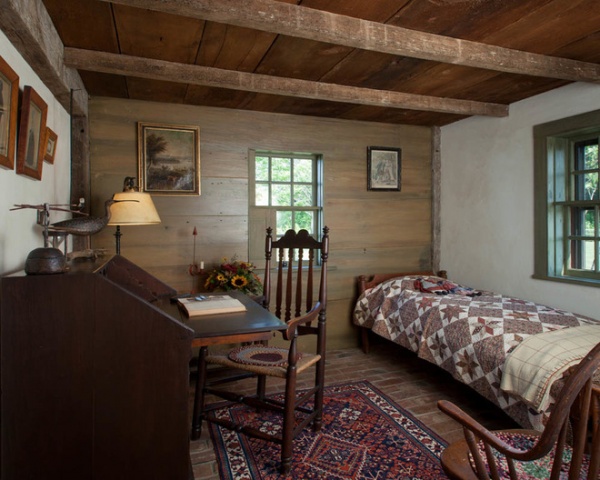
210 305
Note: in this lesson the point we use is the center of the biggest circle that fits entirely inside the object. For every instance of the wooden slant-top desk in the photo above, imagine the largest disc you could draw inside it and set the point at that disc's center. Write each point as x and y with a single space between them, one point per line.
95 374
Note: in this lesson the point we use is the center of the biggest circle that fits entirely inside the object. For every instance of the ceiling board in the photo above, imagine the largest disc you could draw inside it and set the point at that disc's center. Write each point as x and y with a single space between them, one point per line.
156 90
104 84
233 48
299 58
565 22
468 20
218 97
145 33
87 25
379 11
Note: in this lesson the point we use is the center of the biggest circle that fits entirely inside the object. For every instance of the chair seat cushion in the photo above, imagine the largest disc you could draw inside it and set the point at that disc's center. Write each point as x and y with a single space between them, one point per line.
264 362
260 355
532 470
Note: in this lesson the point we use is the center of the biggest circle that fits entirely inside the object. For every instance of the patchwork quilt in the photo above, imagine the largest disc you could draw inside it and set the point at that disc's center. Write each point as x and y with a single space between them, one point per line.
466 332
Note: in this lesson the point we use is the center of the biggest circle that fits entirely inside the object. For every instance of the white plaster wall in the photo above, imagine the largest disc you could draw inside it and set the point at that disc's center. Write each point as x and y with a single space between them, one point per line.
19 233
487 200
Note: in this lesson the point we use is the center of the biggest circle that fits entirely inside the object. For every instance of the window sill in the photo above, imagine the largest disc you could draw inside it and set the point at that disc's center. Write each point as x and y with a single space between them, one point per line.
585 282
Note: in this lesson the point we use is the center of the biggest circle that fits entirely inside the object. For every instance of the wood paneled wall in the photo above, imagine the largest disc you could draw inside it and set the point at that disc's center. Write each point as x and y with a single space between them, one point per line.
370 231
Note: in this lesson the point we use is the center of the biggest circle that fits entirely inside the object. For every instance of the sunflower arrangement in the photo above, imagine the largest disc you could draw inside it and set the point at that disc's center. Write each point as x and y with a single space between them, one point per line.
234 275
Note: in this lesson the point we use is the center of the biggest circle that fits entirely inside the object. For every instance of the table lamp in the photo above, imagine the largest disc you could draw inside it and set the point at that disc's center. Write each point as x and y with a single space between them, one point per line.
138 209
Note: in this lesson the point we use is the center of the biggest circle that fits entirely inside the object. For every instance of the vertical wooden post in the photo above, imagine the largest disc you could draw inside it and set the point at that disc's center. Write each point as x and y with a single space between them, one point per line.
80 170
436 193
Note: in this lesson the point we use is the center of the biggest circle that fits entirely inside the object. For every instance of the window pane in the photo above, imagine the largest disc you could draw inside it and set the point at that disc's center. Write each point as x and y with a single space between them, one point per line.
281 169
262 169
591 186
586 186
281 195
590 155
582 221
589 222
582 254
262 194
304 220
284 223
303 195
303 170
586 154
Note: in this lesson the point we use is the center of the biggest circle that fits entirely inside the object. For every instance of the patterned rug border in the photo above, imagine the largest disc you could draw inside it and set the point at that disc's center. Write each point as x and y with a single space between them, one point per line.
432 444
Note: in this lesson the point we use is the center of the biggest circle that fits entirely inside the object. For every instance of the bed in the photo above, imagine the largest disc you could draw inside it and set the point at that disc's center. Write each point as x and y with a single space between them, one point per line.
468 333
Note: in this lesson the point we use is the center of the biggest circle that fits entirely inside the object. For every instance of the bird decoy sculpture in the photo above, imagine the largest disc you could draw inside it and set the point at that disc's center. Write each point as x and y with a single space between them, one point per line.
44 209
86 225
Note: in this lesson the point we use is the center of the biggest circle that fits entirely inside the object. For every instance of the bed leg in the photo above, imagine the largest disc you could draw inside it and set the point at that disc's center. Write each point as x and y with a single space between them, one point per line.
364 339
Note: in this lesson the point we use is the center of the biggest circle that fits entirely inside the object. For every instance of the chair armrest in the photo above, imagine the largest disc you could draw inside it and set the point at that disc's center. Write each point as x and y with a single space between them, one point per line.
294 323
482 433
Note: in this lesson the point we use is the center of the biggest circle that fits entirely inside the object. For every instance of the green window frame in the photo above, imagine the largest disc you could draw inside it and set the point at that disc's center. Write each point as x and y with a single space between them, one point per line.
567 202
285 191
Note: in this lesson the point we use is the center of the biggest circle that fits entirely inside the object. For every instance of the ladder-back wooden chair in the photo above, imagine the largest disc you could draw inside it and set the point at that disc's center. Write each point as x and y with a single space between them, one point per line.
517 454
296 262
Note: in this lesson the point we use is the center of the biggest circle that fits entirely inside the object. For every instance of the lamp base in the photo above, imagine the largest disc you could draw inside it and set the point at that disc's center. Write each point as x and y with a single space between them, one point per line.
118 236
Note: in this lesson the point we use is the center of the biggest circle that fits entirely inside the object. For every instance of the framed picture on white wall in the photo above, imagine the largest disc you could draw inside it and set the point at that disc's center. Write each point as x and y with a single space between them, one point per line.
32 134
50 150
9 100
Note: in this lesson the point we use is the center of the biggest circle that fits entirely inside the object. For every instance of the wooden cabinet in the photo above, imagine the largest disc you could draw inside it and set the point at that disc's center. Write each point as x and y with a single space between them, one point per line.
94 377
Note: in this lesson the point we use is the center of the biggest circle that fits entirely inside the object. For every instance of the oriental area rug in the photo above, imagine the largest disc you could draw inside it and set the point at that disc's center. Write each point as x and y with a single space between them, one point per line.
364 436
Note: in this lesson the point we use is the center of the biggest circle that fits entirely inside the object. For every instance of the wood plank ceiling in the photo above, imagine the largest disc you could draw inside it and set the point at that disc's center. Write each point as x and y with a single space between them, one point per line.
312 58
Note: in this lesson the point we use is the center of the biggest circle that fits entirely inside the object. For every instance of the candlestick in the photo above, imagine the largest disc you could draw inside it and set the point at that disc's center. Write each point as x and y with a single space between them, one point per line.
195 234
193 269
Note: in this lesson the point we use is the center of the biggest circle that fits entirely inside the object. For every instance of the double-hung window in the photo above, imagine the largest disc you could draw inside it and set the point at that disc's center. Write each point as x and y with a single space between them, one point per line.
285 193
568 200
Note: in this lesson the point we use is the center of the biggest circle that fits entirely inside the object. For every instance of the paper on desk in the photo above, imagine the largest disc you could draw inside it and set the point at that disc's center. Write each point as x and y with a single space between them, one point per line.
211 305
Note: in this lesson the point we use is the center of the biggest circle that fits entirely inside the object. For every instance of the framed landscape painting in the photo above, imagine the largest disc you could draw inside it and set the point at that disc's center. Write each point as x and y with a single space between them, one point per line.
9 101
32 134
383 168
169 159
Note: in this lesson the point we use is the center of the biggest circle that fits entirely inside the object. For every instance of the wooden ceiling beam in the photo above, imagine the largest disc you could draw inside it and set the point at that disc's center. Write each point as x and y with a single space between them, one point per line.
213 77
29 28
293 20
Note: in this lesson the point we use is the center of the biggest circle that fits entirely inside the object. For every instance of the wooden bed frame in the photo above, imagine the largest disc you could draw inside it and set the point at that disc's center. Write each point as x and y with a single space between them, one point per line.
365 282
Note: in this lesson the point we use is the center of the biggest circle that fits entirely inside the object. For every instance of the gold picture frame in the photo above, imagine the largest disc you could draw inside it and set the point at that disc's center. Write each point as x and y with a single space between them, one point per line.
32 134
50 150
169 159
9 104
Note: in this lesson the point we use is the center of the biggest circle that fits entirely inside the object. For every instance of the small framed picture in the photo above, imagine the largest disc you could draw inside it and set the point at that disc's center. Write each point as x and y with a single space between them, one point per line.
384 168
169 159
32 134
9 104
50 151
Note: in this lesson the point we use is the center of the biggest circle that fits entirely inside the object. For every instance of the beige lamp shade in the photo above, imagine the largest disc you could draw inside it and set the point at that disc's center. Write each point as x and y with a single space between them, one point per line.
139 210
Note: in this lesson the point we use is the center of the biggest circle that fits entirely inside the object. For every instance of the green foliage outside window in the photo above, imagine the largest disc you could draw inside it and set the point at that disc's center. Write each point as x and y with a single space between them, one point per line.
591 184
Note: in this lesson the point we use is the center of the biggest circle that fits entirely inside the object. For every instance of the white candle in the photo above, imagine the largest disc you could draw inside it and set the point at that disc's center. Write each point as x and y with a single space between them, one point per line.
201 265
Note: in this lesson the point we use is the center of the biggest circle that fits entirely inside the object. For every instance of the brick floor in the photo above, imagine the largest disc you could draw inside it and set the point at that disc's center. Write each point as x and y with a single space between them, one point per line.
412 383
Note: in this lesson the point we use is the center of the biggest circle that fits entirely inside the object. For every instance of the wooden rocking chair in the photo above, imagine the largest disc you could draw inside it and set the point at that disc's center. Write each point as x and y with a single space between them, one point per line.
513 453
296 262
